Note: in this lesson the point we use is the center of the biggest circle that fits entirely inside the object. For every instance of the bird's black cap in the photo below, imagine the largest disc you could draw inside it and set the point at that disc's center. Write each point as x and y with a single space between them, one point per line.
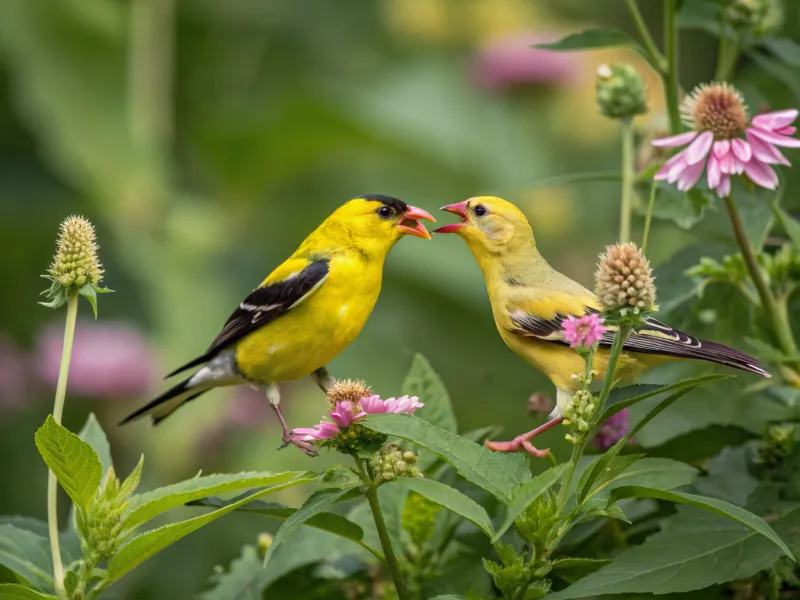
398 205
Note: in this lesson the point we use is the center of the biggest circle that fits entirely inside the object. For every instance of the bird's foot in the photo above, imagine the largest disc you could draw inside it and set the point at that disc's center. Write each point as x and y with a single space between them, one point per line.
290 439
515 444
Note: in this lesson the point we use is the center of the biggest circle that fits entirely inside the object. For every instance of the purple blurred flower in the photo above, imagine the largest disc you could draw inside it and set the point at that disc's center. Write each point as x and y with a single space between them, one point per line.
14 374
248 408
109 359
510 62
612 430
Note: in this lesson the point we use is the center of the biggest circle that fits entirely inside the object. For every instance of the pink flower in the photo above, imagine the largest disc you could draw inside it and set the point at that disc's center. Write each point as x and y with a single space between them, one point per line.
584 331
14 374
511 61
612 430
346 414
718 118
109 359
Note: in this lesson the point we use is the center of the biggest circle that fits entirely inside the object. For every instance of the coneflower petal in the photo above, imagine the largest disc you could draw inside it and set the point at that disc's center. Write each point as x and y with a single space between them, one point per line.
741 149
774 138
761 174
676 140
776 119
699 148
714 173
766 152
689 176
724 187
721 148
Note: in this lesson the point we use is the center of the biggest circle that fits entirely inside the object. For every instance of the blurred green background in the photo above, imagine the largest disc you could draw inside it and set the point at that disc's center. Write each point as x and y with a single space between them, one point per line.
206 139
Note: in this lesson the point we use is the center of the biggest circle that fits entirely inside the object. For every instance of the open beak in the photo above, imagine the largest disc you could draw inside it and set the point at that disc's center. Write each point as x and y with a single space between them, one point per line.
460 209
409 222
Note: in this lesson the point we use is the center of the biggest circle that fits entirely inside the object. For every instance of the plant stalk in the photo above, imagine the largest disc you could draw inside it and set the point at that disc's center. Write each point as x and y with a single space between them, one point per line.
627 181
653 54
383 533
649 218
670 77
58 410
777 317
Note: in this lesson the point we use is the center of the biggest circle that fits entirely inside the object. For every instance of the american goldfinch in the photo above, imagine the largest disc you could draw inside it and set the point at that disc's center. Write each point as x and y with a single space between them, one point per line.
306 312
530 300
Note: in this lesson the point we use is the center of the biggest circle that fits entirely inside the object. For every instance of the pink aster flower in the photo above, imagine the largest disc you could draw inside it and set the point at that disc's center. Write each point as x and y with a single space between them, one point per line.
584 331
723 142
345 414
324 430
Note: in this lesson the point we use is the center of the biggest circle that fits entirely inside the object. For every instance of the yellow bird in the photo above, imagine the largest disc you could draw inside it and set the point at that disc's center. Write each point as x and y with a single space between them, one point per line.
306 312
530 300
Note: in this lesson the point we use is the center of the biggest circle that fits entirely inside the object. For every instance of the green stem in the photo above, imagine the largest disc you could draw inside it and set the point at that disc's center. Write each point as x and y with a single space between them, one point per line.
627 181
613 359
670 77
649 218
58 410
726 58
777 317
577 452
653 54
383 533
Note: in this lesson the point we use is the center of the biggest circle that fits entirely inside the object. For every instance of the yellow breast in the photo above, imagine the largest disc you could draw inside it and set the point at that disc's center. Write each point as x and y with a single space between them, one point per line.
313 333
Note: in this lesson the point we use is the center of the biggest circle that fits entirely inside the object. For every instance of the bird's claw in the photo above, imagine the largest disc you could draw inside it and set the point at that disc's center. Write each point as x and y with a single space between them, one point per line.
307 447
515 444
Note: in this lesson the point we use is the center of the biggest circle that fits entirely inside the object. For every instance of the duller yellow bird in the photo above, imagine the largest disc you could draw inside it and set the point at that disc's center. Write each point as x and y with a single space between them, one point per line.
530 300
305 313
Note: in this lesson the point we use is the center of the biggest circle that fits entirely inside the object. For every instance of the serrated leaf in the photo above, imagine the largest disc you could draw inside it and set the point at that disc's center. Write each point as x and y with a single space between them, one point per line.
599 467
15 591
74 462
621 398
147 544
92 433
453 500
591 39
497 473
28 555
422 381
316 503
693 551
143 507
527 493
326 521
719 507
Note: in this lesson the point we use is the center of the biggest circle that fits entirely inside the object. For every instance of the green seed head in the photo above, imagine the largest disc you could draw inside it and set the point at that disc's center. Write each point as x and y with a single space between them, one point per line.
76 262
620 91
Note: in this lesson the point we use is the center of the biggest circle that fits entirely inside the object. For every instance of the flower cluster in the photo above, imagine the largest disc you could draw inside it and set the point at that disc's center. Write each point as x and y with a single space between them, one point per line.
583 332
391 462
757 16
578 414
624 280
718 119
612 430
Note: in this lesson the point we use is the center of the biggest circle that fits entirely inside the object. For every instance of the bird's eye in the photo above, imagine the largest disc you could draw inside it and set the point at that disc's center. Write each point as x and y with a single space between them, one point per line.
385 212
480 210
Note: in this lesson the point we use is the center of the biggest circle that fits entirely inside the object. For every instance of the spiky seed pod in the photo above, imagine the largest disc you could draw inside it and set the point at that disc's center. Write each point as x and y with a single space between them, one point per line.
348 390
624 279
76 262
620 91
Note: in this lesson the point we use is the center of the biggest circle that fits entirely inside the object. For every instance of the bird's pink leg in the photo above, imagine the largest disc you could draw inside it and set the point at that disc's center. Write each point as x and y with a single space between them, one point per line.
288 437
523 441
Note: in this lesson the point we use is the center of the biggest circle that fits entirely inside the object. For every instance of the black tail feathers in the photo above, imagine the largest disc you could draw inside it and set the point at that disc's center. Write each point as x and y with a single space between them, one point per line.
168 402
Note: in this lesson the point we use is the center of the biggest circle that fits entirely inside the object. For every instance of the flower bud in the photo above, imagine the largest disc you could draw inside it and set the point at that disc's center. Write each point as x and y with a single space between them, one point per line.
419 517
779 443
620 91
624 281
759 17
264 542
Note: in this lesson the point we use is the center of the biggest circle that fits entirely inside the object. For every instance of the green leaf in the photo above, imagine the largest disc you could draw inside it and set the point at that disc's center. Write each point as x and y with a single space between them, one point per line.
591 39
788 75
316 503
144 507
326 521
720 507
693 551
145 545
611 471
572 569
422 381
527 493
28 555
785 49
87 291
622 398
453 500
600 466
790 225
73 461
15 591
93 434
497 473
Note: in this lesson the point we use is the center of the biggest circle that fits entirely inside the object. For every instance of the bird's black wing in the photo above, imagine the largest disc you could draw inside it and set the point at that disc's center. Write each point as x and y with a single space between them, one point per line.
263 305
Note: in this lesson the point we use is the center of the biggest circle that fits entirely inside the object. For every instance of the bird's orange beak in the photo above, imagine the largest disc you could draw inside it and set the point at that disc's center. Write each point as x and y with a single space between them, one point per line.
409 223
460 209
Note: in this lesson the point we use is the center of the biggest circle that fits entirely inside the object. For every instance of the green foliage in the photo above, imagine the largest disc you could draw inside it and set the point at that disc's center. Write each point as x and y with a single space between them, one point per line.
496 473
592 39
453 500
422 381
28 555
526 494
93 434
12 591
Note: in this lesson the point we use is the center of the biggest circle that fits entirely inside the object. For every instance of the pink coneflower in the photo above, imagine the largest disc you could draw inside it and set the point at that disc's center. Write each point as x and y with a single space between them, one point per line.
733 145
346 413
583 332
612 430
